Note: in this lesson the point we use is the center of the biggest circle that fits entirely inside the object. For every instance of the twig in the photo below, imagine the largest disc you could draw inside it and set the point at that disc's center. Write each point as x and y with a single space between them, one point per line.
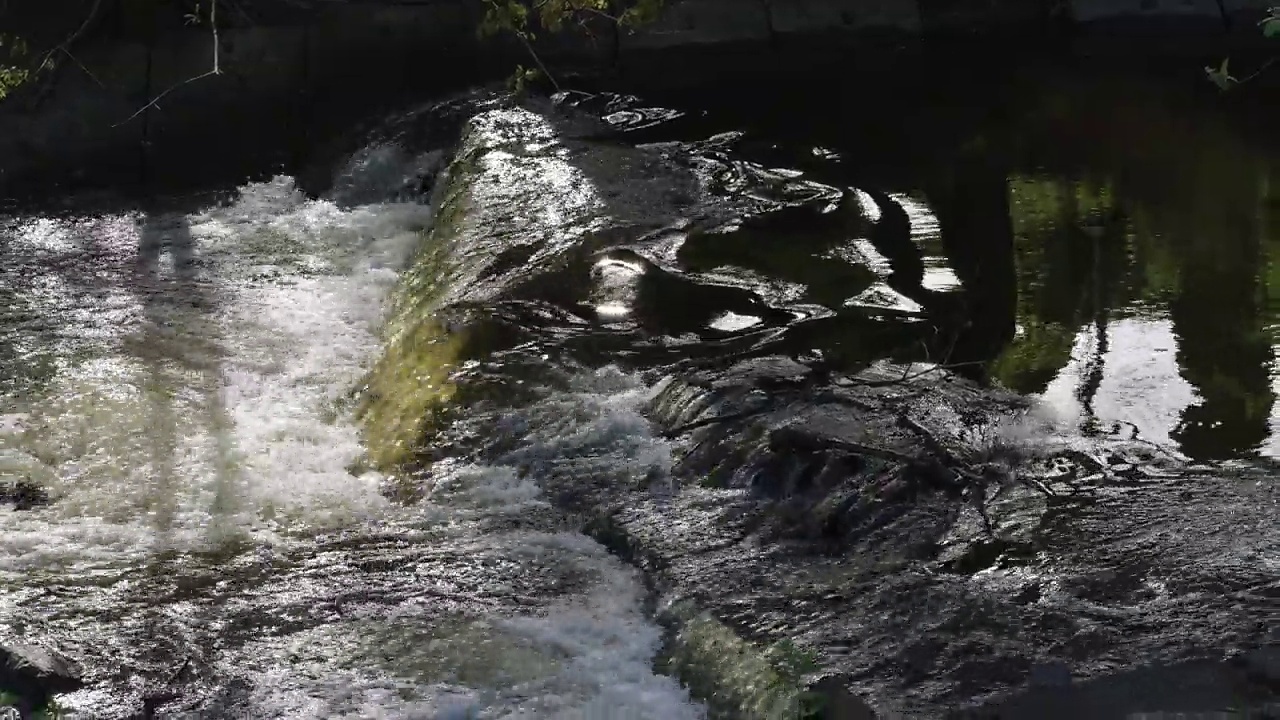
908 378
1038 484
93 12
213 25
601 13
86 70
159 97
829 397
869 450
534 55
217 69
935 446
45 85
178 673
1257 72
704 422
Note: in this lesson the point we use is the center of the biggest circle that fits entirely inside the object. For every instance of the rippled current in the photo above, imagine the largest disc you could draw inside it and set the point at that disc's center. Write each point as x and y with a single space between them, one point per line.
179 382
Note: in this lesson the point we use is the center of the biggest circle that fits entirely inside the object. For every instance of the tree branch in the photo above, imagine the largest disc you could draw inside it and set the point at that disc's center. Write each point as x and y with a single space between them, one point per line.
217 69
66 44
528 46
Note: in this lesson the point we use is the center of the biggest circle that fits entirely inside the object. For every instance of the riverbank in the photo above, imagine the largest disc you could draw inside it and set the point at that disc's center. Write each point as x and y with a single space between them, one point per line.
295 83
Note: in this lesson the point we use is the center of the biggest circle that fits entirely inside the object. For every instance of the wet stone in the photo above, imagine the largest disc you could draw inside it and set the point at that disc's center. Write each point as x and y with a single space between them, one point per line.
35 674
837 702
877 514
23 495
1050 674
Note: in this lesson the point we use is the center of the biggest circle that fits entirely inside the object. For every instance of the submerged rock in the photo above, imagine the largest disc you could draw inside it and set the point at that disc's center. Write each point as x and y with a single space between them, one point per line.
36 674
23 494
914 534
862 517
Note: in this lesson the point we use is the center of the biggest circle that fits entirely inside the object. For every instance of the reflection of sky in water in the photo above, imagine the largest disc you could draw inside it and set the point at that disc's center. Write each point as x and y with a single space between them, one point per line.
733 322
927 233
1141 383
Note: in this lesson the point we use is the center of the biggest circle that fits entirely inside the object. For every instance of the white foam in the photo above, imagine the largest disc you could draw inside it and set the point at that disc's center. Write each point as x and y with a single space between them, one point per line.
200 410
610 645
586 654
209 409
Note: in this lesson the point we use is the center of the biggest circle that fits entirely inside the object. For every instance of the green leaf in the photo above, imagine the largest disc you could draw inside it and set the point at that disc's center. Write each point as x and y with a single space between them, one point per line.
1271 26
1220 76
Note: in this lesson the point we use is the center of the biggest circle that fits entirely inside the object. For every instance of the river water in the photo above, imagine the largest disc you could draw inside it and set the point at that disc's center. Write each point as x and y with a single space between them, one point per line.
1141 208
178 380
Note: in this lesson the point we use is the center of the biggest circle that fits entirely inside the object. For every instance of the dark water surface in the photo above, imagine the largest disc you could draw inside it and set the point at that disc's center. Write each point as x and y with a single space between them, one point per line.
1109 233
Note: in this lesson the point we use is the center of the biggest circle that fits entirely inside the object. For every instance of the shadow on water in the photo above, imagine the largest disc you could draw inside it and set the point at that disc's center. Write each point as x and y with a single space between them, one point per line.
178 344
110 341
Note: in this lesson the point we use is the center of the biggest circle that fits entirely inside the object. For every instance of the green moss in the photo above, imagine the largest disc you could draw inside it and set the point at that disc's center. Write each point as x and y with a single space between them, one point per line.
408 391
738 678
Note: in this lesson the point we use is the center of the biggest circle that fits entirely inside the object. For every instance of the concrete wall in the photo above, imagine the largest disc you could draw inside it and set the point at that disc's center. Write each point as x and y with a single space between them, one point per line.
295 78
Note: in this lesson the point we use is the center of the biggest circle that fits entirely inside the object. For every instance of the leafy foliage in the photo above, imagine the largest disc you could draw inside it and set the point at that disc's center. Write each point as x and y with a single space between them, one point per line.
524 17
1221 75
13 50
1271 23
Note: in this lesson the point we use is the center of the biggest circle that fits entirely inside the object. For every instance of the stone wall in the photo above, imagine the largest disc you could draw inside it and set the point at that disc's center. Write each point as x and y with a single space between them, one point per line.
294 78
285 85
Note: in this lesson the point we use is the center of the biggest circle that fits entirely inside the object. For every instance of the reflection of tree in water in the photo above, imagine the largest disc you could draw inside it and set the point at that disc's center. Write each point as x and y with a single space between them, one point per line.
972 207
1104 240
1073 270
1083 272
26 367
24 371
971 202
1218 315
178 346
1171 217
1197 192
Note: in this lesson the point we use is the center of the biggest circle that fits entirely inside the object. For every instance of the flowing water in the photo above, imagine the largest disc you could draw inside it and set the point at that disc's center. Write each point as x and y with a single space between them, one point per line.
1140 288
179 382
